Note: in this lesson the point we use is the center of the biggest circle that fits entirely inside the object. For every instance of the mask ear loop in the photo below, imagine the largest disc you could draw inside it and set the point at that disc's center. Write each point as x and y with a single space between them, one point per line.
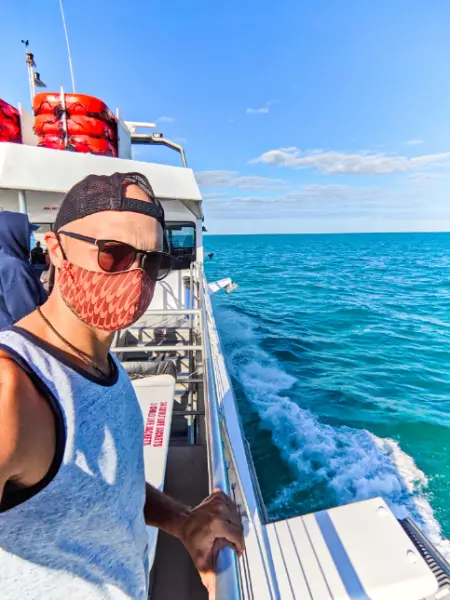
58 237
51 279
52 272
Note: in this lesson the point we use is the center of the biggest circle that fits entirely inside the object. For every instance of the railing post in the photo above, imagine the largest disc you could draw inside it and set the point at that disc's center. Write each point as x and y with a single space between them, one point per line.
22 202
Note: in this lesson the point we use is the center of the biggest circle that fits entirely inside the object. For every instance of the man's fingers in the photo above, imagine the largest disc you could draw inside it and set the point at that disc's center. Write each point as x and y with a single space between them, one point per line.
234 518
230 532
219 545
225 503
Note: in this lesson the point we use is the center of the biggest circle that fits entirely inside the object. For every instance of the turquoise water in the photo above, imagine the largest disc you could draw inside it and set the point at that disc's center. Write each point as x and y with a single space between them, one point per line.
339 352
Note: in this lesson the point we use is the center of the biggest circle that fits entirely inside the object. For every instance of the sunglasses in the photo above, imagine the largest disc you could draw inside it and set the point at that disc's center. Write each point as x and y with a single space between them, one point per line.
115 257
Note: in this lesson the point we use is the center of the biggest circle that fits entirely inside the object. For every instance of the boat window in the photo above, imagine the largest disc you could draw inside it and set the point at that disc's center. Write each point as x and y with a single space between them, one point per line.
180 239
38 230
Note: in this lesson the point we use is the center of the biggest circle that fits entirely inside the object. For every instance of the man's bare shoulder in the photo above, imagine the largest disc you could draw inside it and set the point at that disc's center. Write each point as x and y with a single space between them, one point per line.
19 398
12 380
26 426
10 421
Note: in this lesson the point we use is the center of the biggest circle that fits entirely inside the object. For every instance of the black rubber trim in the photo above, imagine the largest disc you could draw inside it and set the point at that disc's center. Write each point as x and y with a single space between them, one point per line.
105 381
23 494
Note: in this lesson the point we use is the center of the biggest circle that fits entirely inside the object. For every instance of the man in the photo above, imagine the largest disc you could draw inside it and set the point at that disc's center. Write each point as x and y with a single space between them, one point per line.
37 255
73 496
20 288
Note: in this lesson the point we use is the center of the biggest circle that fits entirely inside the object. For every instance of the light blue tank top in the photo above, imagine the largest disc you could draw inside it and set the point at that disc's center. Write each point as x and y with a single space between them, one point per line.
79 534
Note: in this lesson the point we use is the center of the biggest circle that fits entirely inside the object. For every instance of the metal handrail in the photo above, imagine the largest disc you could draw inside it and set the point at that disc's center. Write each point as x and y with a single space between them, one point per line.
227 582
163 312
161 348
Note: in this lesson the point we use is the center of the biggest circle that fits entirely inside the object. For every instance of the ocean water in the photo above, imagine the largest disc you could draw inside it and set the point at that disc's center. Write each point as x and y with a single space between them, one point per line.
338 347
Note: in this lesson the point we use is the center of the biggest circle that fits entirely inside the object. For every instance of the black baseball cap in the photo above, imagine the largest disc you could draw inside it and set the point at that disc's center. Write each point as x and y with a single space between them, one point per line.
98 193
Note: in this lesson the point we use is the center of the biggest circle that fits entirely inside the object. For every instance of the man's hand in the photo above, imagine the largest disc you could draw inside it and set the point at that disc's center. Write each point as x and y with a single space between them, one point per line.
204 530
209 527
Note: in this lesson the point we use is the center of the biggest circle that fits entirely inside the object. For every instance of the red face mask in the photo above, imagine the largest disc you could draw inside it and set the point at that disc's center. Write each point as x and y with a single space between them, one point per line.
108 301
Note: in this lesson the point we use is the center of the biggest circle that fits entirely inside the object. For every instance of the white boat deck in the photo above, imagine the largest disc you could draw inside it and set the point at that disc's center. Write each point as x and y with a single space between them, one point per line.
354 551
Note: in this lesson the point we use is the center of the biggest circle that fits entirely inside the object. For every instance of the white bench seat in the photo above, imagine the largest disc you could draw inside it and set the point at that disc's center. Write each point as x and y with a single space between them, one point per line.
156 397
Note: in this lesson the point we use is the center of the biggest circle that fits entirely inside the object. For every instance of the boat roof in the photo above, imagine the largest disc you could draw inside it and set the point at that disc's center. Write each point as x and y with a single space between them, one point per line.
31 168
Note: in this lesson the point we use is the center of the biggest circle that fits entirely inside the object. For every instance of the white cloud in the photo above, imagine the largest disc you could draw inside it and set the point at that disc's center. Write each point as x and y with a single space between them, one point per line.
358 163
215 195
333 192
225 179
257 111
258 183
262 111
414 142
165 120
215 179
420 178
315 195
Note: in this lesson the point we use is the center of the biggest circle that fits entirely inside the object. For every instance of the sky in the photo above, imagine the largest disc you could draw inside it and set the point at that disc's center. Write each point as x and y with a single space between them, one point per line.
297 116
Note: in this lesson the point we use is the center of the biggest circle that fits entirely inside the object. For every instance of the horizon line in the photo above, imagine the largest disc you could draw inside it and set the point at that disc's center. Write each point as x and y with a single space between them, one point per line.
205 234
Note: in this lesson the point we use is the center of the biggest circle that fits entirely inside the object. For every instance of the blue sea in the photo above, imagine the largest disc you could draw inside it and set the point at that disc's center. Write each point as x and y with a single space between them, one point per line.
339 351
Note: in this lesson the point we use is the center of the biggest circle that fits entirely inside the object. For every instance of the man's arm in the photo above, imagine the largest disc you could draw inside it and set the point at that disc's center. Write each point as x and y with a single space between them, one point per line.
27 428
204 530
164 512
9 425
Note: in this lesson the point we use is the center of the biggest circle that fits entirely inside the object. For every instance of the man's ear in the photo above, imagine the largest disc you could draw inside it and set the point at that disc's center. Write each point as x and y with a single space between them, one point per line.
54 249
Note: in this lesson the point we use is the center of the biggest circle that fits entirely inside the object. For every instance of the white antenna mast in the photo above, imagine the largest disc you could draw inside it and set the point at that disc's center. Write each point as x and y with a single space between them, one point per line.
34 78
68 46
30 67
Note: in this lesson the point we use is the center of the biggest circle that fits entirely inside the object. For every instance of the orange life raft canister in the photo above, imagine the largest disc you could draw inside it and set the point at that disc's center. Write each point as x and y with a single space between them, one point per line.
76 125
76 104
91 126
79 143
9 123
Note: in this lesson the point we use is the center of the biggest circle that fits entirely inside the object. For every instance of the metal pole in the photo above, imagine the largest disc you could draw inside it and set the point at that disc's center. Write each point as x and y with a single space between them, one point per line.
163 348
31 83
23 202
28 60
68 45
64 114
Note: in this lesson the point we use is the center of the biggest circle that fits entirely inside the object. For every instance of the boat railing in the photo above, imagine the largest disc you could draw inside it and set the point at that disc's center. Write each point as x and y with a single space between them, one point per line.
227 583
155 139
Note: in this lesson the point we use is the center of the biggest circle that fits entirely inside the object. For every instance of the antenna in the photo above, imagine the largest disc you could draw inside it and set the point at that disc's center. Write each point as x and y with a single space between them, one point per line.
34 79
29 69
68 46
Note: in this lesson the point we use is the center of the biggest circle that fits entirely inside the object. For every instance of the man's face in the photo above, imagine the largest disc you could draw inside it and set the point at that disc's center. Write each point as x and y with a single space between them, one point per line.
140 231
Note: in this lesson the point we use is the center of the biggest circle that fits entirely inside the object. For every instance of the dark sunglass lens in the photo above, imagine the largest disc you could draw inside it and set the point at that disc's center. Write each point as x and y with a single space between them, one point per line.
115 256
157 265
165 267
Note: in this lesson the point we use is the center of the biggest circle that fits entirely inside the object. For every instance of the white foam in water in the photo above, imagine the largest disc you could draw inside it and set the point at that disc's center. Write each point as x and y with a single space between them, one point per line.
352 463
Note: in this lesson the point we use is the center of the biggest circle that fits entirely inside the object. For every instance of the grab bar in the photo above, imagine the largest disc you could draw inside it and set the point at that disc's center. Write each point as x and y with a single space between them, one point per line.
227 581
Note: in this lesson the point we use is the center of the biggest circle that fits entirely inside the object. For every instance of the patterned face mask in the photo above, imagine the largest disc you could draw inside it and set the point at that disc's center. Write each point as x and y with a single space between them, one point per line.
108 301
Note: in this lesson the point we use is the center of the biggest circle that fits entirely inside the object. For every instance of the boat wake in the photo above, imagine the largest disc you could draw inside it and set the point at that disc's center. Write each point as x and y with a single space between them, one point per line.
348 464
